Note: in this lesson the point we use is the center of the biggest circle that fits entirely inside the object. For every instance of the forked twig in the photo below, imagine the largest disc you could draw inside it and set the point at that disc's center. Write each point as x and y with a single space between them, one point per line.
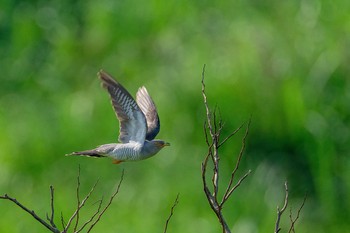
230 189
291 229
51 218
280 211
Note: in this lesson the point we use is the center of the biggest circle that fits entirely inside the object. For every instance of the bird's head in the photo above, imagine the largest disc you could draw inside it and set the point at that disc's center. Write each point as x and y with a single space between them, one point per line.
151 148
160 143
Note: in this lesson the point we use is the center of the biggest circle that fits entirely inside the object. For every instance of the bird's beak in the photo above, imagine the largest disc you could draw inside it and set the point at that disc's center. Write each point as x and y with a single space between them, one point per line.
166 144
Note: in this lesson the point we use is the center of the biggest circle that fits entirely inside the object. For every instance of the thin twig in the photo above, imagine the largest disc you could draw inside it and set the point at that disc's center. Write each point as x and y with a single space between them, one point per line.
206 134
230 135
31 212
280 211
51 218
92 217
230 190
291 229
63 222
109 203
78 200
206 105
171 212
79 207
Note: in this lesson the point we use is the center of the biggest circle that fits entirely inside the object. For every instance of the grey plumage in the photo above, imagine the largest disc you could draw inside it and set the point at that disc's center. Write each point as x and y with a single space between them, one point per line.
147 106
138 125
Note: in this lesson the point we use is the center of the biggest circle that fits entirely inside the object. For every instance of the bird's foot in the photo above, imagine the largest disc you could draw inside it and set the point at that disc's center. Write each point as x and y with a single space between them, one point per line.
116 161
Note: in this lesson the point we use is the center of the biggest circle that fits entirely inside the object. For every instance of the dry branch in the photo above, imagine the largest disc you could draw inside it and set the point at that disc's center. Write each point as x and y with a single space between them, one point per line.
293 221
49 224
80 205
109 202
281 211
214 126
31 212
51 218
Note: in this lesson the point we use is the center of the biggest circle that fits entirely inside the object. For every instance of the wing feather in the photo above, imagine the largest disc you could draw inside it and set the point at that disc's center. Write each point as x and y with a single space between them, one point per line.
132 125
149 109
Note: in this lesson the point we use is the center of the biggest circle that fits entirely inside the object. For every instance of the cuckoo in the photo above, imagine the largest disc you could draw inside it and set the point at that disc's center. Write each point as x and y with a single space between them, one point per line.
138 125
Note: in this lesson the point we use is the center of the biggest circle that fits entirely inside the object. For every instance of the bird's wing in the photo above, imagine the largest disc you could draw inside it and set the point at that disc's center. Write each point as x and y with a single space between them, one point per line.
149 109
132 125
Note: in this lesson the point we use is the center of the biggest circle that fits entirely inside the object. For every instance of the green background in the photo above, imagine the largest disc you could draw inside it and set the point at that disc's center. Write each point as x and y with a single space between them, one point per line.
286 63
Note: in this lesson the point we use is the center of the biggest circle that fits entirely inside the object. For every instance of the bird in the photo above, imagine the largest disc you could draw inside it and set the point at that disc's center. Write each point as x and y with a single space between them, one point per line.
139 124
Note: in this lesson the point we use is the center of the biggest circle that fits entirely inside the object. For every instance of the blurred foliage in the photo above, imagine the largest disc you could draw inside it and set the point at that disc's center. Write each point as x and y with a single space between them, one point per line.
284 62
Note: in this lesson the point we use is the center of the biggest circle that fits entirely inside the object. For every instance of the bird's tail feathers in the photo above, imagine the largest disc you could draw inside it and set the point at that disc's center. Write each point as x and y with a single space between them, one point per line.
89 153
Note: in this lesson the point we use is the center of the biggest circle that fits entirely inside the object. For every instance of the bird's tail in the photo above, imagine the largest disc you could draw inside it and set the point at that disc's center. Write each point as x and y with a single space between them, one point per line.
89 153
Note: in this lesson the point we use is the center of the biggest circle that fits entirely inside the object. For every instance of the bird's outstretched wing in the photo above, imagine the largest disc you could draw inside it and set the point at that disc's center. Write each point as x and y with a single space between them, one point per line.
149 109
132 125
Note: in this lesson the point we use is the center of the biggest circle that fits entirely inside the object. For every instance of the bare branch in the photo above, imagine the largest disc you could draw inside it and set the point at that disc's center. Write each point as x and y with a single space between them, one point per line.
92 217
291 229
51 218
79 207
31 212
206 105
230 190
78 200
49 224
171 212
109 203
280 211
206 134
62 221
215 126
230 135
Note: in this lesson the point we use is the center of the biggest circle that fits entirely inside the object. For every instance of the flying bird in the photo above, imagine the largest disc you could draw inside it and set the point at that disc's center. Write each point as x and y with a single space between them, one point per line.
138 125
